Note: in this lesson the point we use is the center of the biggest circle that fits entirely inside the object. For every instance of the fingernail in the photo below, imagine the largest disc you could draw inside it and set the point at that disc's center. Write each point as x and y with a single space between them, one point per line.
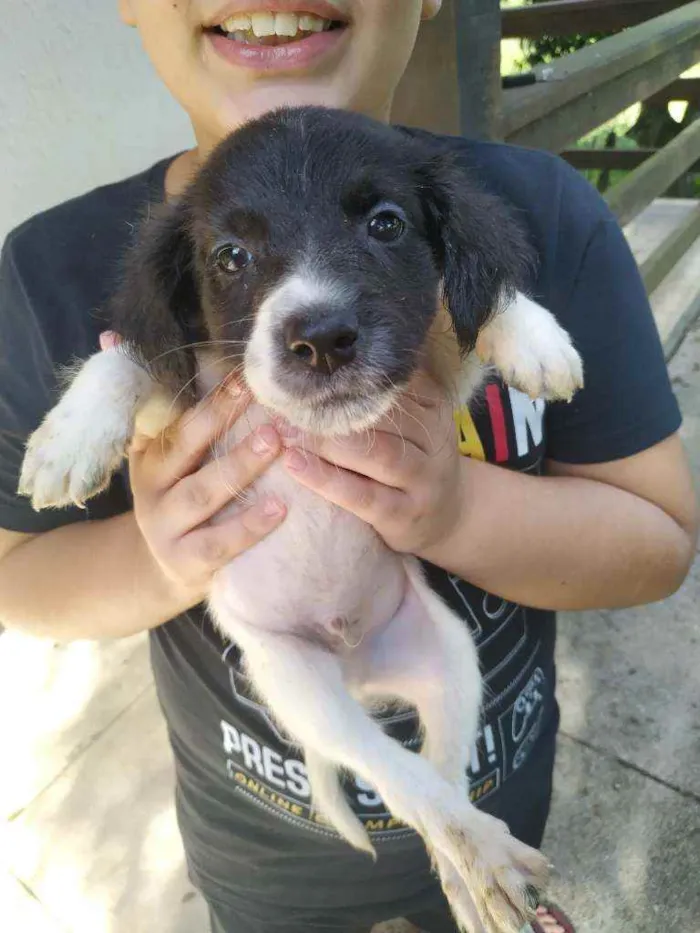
234 389
296 461
285 430
272 507
263 441
108 340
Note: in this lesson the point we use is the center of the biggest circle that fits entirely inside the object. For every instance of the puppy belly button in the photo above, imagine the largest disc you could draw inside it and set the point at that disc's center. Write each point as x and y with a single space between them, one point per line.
348 631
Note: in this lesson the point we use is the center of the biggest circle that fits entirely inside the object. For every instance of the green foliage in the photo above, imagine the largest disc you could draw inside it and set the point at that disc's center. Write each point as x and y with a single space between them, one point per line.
544 50
604 138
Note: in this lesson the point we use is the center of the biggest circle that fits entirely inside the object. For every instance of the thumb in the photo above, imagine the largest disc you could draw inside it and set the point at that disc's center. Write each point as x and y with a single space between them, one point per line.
109 339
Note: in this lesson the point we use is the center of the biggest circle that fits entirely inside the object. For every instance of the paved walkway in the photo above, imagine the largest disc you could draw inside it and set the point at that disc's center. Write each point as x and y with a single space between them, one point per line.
88 842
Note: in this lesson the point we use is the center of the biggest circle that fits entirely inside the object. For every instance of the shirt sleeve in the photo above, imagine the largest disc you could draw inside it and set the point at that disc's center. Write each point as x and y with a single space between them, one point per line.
28 389
627 404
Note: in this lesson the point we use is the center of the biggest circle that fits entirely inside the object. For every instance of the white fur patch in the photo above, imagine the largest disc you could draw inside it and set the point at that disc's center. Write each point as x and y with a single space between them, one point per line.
297 291
531 351
484 870
82 441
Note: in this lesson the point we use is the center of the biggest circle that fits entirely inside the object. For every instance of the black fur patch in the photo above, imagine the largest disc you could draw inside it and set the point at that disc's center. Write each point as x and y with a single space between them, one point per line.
294 190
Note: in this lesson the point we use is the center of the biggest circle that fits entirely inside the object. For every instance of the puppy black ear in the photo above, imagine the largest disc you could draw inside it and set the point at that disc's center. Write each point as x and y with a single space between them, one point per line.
157 309
481 250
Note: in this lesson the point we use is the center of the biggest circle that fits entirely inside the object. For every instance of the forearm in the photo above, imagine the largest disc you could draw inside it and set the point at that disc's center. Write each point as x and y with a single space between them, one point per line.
90 580
562 542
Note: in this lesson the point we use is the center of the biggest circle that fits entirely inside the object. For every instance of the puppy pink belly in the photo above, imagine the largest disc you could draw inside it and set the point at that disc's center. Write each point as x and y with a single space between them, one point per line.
301 580
322 564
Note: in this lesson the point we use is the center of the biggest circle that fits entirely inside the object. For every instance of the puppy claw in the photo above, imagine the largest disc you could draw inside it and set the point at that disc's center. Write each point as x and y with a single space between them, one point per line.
486 872
557 379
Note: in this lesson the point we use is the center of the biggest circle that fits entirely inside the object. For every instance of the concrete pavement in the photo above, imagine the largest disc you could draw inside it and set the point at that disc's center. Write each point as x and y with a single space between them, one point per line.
625 826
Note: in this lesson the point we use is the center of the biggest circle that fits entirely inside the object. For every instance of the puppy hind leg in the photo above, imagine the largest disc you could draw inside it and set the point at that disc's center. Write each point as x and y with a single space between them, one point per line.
449 719
431 663
303 685
449 715
427 657
328 797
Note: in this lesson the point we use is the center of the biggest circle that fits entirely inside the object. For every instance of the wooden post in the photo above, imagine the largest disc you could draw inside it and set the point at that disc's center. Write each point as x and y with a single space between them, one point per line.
478 34
453 84
428 96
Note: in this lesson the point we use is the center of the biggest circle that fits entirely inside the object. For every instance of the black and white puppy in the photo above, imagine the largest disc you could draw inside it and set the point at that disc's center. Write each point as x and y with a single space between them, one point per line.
320 256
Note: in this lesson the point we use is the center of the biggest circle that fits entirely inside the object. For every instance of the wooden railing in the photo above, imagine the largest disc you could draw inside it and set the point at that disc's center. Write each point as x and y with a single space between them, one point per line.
577 93
660 39
579 17
454 85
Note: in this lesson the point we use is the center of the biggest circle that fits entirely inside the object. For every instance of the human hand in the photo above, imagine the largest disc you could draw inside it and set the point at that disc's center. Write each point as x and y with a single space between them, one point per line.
175 494
404 478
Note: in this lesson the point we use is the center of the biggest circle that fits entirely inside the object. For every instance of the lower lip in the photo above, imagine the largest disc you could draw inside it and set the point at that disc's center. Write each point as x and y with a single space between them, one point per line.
289 57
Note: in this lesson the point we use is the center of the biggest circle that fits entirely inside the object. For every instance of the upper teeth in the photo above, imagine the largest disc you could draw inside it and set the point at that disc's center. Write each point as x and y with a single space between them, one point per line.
271 24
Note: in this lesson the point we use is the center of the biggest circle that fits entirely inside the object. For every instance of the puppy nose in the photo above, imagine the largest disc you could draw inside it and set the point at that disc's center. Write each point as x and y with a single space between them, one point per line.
323 344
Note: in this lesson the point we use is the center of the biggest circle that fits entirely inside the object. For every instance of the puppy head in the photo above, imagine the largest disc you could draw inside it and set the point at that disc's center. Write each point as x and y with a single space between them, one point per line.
312 253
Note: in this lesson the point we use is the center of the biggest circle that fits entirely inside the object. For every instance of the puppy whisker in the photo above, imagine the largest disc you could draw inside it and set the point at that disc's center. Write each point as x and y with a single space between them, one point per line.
208 396
245 319
201 344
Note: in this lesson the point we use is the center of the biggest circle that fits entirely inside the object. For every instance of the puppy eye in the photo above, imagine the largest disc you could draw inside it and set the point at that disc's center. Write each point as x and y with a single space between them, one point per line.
386 226
233 259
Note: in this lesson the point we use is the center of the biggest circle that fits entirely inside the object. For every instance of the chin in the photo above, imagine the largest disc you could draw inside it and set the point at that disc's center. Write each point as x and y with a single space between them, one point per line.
269 93
324 414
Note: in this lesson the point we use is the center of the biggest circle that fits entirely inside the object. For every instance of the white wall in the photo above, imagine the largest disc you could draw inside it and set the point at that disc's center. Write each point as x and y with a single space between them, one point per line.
79 104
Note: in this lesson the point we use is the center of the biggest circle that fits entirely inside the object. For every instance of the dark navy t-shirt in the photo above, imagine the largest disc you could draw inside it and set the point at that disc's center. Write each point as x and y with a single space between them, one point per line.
252 837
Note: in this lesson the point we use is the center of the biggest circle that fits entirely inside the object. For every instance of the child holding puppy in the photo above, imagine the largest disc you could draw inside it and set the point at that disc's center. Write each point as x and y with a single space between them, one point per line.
595 509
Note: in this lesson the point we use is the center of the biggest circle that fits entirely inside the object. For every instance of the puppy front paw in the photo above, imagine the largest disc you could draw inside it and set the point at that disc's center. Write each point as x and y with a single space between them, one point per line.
532 352
67 462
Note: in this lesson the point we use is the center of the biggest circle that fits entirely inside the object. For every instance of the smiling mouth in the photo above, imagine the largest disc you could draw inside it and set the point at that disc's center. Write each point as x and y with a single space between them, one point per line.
273 29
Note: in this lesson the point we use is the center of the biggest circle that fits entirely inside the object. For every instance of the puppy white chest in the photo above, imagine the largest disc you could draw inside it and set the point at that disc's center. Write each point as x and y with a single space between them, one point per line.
322 571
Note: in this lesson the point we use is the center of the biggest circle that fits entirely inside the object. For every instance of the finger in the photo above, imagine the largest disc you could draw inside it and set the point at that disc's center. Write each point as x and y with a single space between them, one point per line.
424 390
213 546
203 494
360 495
193 436
421 414
384 457
109 339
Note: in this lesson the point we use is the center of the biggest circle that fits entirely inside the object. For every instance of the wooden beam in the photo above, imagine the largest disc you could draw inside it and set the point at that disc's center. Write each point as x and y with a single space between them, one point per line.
428 95
655 176
573 17
453 83
681 89
625 160
655 269
477 26
622 160
578 92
